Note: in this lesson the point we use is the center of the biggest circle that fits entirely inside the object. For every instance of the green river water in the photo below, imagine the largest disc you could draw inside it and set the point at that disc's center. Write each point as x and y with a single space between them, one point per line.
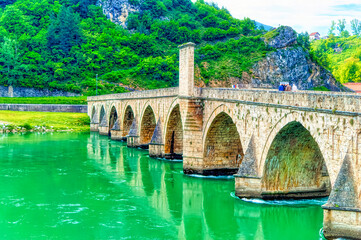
84 186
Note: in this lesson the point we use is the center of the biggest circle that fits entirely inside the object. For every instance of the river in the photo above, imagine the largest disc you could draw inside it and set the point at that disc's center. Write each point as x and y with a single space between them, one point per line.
85 186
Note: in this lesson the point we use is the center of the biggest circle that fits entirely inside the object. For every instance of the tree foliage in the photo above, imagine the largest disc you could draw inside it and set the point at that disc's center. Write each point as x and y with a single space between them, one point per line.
63 44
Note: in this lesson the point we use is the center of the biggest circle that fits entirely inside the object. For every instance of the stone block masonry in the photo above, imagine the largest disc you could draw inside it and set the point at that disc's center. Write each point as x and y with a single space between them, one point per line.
11 91
228 131
45 108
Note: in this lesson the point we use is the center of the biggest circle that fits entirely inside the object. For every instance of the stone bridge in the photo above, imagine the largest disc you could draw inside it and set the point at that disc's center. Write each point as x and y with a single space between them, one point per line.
276 144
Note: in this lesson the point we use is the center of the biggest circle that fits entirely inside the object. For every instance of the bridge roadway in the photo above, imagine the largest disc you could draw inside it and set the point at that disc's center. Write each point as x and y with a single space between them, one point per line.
277 144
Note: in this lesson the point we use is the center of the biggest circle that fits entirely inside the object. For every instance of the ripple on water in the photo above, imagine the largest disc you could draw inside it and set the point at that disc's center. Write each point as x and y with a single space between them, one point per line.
288 202
210 176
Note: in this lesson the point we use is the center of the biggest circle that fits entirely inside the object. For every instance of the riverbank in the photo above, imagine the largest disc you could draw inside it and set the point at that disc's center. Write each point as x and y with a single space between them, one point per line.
45 100
16 121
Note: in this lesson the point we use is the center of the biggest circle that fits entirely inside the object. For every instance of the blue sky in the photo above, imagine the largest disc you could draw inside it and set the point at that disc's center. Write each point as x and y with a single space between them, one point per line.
306 15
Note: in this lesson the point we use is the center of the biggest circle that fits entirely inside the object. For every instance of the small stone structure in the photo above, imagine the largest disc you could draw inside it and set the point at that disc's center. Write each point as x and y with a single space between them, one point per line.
278 144
44 107
11 91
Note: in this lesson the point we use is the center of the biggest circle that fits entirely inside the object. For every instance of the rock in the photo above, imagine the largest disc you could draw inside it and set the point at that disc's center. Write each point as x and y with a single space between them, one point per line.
283 37
117 11
292 65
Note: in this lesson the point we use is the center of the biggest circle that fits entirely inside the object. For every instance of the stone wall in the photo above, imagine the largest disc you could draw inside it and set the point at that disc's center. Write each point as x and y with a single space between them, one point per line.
44 107
32 92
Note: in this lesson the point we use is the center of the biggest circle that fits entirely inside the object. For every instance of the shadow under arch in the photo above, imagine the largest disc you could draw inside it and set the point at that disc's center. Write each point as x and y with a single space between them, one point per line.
173 147
147 127
127 120
113 116
294 166
223 150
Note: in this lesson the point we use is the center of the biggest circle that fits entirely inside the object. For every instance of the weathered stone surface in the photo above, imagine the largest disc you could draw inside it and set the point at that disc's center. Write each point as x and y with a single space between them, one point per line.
248 166
157 135
292 65
286 37
343 193
33 92
116 126
103 122
133 132
117 11
44 107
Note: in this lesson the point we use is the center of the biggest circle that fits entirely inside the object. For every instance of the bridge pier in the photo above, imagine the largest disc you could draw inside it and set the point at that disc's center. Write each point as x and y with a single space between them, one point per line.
133 139
341 223
156 146
94 127
115 132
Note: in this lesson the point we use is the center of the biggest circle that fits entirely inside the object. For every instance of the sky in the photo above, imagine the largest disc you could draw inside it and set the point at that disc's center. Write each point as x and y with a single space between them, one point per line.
302 15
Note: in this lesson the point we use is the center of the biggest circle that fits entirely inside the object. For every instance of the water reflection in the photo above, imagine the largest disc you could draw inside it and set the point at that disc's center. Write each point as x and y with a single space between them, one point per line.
196 208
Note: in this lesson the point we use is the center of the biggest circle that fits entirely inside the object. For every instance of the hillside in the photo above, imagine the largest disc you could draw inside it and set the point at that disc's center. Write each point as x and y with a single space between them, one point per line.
133 44
341 56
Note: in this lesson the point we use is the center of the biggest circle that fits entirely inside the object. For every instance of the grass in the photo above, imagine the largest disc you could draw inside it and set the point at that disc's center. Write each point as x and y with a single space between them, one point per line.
45 100
76 122
321 88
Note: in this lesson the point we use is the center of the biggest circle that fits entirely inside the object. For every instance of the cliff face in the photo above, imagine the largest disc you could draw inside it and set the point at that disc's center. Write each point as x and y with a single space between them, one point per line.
117 11
290 63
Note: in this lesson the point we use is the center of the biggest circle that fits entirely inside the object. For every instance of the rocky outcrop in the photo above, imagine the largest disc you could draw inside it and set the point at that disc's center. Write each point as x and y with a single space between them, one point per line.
290 63
117 11
284 37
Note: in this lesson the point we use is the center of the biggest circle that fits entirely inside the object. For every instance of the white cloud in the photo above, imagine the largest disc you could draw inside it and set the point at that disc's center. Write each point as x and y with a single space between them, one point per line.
302 15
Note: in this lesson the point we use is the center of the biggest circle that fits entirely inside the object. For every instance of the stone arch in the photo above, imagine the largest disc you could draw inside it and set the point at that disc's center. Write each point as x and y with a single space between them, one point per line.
147 125
128 118
113 117
222 148
102 113
293 165
173 144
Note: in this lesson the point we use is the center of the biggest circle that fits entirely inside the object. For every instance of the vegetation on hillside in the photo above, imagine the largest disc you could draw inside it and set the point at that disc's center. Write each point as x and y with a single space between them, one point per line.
64 44
340 54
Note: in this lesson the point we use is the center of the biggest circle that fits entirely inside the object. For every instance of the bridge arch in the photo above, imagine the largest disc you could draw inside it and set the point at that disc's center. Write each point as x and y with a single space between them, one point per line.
222 148
147 125
173 144
102 113
294 161
128 118
113 117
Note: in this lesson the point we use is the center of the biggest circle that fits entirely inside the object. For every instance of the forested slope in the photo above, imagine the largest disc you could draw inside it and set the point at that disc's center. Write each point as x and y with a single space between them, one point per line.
342 56
64 44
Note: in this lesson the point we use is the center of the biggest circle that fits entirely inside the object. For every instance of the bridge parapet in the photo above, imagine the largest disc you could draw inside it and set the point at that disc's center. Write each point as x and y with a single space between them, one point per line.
156 93
347 102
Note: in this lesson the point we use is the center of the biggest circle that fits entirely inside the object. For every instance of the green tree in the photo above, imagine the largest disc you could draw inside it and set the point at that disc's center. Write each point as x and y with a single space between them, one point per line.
345 34
356 27
341 26
332 29
303 39
10 57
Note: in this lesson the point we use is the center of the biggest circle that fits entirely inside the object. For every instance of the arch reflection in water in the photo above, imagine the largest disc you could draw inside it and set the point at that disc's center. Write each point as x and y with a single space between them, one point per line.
200 208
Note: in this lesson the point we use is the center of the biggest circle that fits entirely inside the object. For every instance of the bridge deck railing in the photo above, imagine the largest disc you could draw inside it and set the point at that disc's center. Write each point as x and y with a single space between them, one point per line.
335 101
